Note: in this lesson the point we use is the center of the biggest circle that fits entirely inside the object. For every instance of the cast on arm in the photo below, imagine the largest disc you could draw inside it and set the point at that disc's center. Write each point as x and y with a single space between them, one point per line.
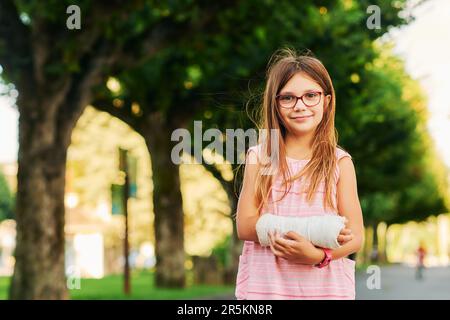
320 230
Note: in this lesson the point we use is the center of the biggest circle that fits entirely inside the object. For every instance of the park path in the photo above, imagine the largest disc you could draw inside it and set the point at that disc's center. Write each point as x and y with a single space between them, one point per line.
398 283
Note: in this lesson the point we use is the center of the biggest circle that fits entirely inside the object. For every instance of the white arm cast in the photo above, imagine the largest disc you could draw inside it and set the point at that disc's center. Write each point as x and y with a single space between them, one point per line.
321 230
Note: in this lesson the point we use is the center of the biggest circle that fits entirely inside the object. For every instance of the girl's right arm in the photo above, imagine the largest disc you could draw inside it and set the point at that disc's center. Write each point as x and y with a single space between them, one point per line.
247 210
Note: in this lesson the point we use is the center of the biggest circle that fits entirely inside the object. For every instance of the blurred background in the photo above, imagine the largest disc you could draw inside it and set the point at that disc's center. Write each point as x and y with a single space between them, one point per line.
82 80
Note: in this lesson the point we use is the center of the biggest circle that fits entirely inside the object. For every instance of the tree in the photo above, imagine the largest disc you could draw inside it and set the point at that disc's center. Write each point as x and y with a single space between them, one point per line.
54 70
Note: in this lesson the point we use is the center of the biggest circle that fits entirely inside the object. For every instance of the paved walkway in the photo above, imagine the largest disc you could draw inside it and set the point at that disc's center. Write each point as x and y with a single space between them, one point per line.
398 283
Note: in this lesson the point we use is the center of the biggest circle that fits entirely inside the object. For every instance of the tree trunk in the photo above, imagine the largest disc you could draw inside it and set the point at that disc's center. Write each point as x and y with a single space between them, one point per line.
236 243
39 268
167 204
48 114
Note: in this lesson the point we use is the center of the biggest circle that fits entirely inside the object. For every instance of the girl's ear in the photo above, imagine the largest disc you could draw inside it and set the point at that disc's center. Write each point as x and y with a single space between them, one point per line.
328 99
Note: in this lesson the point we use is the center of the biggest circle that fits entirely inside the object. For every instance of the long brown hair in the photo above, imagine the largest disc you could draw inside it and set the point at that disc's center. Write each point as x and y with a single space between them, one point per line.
284 64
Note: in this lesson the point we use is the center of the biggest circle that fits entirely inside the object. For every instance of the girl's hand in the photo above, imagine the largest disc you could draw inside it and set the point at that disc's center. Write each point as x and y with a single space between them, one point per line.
345 236
295 248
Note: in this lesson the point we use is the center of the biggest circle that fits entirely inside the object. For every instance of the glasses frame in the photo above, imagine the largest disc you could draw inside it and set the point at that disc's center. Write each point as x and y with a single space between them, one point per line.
301 98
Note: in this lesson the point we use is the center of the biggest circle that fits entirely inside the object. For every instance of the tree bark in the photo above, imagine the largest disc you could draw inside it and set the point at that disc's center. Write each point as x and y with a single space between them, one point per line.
167 204
39 268
48 114
235 246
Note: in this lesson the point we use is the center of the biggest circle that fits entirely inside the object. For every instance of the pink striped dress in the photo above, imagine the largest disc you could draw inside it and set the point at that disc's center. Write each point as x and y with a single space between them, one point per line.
260 276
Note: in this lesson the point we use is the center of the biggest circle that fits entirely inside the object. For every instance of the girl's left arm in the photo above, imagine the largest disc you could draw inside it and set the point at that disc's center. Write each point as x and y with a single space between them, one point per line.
349 207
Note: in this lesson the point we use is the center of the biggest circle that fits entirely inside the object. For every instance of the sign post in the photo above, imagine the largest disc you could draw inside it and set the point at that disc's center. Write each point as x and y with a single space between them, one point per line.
120 193
125 195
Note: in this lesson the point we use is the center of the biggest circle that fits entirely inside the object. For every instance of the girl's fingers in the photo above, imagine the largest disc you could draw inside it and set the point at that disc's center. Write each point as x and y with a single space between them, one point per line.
346 231
283 242
342 239
271 243
271 240
275 243
278 247
274 236
277 250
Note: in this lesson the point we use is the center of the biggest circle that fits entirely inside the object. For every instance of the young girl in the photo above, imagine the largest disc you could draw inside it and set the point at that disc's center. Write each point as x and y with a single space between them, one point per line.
314 177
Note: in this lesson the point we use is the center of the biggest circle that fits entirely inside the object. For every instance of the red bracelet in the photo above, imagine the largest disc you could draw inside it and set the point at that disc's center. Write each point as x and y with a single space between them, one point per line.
326 260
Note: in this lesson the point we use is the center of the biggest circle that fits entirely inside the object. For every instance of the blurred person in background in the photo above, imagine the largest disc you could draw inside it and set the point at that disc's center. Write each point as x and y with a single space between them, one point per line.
421 252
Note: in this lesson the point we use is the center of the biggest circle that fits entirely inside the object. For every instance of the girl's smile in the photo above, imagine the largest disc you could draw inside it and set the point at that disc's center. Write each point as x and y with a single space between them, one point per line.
301 118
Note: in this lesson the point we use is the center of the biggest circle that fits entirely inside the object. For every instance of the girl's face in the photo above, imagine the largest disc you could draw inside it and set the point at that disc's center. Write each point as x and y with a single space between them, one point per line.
302 119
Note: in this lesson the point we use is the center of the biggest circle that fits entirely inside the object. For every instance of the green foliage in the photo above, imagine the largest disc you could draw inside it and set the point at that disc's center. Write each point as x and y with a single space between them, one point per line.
218 65
392 151
212 75
6 200
222 251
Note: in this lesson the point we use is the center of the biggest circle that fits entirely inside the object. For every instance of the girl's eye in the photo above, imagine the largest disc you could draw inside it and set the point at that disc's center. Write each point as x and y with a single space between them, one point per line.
312 95
286 98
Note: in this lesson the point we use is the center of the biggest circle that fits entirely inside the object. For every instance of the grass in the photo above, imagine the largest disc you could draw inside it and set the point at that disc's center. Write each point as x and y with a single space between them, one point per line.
4 284
142 288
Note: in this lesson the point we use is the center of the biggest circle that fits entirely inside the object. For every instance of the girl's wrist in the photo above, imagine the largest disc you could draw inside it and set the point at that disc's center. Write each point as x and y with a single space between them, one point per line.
319 256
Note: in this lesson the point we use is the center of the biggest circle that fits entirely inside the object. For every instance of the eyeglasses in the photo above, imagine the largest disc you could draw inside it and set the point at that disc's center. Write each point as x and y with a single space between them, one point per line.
309 99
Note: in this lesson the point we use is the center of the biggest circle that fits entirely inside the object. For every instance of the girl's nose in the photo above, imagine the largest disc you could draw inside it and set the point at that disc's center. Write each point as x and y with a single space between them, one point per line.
299 105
